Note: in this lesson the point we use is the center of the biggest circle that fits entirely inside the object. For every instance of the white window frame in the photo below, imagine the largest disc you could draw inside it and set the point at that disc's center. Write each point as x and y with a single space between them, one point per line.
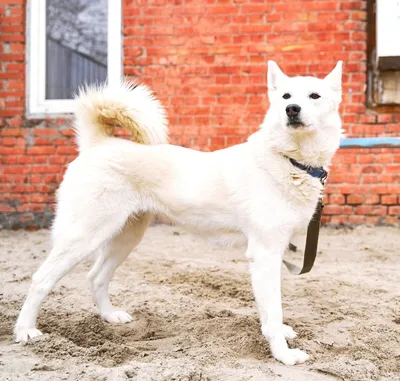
36 58
387 27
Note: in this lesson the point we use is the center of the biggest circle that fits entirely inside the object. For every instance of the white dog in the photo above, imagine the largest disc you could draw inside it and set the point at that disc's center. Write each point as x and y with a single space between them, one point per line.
256 192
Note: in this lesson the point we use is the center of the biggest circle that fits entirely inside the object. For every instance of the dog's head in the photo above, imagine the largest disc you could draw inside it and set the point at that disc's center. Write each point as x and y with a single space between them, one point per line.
305 104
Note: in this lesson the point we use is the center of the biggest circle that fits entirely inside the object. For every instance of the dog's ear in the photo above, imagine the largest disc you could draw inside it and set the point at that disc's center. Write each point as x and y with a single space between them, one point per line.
334 78
275 75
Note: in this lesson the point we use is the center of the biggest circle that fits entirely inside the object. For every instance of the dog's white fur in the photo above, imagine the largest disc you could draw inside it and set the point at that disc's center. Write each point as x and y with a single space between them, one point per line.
247 193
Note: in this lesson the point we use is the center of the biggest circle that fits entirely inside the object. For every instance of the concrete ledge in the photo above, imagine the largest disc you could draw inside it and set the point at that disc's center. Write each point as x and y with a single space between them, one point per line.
370 143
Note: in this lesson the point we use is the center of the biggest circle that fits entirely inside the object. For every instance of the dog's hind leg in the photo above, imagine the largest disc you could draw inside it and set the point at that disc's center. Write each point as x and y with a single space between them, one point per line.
113 255
76 242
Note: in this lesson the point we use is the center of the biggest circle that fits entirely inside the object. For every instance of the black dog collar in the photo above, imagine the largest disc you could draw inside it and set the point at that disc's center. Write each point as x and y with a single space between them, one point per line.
317 172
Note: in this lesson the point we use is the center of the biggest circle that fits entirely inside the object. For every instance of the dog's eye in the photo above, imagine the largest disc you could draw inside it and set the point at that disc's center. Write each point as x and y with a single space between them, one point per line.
315 96
286 96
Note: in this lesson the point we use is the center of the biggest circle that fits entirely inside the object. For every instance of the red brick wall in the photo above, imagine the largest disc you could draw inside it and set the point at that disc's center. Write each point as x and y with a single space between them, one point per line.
364 187
207 60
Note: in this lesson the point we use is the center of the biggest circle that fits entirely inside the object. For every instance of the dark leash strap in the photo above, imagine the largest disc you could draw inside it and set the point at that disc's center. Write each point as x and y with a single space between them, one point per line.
311 248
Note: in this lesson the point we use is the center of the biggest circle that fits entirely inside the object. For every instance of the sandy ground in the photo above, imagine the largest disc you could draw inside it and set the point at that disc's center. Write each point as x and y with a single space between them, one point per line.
196 318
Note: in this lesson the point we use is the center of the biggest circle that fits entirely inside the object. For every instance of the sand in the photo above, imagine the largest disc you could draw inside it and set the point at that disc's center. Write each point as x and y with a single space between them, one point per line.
195 315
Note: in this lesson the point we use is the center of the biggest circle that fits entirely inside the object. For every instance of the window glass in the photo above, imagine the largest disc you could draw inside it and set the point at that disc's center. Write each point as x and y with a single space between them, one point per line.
76 45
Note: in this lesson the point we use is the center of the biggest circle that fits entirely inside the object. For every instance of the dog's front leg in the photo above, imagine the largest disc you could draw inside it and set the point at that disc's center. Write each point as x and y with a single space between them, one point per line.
265 270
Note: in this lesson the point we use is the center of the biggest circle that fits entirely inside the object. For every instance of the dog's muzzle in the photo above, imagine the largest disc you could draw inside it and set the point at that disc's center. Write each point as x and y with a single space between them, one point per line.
293 114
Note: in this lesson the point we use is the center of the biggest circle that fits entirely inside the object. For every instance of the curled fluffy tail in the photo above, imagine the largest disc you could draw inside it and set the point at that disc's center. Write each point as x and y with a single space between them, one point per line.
100 109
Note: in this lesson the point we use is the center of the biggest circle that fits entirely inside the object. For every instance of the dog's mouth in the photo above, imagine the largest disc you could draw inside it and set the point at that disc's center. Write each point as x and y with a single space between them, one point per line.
295 123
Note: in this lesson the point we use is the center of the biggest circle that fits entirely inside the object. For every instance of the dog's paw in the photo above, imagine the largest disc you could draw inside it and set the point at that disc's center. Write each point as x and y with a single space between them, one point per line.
23 335
289 332
118 317
291 356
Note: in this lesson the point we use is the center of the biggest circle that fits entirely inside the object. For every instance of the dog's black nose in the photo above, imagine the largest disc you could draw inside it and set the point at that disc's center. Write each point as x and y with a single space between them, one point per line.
293 110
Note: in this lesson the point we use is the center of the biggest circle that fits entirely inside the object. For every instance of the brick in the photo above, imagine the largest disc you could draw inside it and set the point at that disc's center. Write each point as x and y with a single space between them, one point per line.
46 169
356 220
394 168
45 131
41 150
352 178
50 179
389 200
341 16
391 220
9 159
393 188
359 16
325 220
9 141
22 188
336 199
348 209
5 208
24 159
339 220
394 210
13 132
59 160
256 8
336 178
41 198
31 208
333 209
367 118
371 199
364 209
380 210
385 118
40 159
354 199
372 220
16 169
392 128
379 189
26 218
349 159
384 158
386 178
372 169
36 179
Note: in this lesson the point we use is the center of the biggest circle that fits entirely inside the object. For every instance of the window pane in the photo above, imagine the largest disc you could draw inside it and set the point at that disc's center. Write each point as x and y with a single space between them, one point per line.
76 45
